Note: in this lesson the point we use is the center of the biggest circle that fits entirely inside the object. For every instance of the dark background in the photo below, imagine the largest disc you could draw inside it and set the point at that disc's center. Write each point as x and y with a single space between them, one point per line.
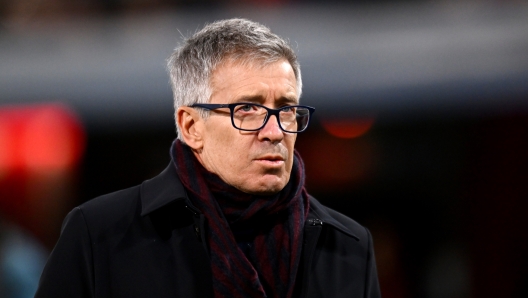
420 131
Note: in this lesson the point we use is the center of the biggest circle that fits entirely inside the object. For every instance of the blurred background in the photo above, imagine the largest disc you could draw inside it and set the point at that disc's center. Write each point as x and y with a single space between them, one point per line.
420 131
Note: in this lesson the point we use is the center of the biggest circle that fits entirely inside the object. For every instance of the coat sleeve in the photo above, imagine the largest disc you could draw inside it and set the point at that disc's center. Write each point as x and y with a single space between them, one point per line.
372 289
69 269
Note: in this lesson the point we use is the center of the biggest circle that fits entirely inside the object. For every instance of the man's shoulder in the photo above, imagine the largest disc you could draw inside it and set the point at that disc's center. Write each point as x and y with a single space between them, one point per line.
338 220
112 201
112 207
128 205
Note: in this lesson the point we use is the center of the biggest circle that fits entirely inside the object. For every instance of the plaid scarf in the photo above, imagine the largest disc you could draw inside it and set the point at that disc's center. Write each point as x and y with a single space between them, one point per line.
267 267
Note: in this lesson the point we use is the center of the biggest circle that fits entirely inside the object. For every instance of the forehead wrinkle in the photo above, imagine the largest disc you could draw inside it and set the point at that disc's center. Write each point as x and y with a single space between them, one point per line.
232 77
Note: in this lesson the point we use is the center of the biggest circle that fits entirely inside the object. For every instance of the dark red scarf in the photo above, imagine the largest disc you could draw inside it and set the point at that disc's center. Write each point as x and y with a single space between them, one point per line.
268 267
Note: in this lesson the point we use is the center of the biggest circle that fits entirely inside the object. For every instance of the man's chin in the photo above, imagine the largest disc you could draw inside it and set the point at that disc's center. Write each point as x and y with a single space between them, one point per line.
267 185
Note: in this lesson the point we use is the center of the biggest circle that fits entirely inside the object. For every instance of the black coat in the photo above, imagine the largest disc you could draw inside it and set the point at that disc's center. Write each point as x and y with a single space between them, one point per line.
147 241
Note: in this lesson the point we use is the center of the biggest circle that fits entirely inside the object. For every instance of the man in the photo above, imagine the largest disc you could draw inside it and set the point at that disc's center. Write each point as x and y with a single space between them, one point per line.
229 217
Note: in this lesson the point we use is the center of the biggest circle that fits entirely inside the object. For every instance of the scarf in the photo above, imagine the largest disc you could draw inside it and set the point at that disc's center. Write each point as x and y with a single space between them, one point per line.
264 260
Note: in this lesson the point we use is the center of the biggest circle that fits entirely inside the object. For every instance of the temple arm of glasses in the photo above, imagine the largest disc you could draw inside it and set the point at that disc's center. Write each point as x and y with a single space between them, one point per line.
209 106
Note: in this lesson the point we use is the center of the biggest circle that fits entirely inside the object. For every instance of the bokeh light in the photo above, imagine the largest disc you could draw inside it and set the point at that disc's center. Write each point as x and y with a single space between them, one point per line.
348 128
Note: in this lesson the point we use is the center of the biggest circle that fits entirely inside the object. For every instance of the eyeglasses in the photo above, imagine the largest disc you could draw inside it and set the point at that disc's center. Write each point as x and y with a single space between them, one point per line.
253 117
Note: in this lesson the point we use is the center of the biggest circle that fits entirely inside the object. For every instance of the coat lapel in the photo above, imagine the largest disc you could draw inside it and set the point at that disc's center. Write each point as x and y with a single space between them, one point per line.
179 226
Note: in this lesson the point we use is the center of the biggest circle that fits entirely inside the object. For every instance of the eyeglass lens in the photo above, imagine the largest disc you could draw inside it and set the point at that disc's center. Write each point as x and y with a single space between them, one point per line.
252 117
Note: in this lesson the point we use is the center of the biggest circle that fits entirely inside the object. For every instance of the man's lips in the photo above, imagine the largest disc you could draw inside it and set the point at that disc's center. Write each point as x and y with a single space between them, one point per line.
271 160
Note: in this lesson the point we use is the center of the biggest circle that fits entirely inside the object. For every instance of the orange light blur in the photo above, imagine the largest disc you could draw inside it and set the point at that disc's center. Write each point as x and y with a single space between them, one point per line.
348 128
44 137
40 147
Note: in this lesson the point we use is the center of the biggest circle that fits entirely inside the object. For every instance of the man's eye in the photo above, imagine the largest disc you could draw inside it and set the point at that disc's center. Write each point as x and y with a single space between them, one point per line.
288 109
246 108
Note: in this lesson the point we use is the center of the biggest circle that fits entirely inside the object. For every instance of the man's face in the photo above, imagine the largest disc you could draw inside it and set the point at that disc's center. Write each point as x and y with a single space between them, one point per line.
256 162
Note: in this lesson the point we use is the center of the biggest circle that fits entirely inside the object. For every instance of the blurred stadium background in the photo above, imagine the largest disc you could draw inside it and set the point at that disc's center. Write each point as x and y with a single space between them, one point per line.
420 132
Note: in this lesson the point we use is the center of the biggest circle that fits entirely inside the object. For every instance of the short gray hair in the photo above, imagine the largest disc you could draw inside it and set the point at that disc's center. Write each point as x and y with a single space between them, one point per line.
191 65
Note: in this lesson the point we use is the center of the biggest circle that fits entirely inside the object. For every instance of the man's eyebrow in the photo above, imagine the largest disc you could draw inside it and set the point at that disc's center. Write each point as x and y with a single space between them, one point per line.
260 99
288 100
250 98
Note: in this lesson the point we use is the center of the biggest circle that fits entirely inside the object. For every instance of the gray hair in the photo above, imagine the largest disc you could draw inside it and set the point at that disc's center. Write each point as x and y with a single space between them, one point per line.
191 65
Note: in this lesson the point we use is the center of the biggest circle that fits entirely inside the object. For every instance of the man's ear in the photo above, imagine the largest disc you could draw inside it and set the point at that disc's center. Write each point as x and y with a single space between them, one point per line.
191 127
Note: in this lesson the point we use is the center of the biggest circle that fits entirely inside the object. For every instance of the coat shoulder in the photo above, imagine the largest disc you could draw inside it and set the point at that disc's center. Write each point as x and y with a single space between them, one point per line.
111 208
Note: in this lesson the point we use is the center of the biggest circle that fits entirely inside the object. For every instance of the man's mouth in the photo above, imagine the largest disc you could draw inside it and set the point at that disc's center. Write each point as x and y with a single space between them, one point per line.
271 160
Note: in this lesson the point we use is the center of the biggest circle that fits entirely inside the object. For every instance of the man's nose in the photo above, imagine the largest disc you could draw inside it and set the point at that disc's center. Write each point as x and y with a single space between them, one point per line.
271 131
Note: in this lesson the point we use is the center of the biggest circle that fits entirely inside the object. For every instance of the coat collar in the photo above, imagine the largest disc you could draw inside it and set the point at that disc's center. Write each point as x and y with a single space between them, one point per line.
166 188
318 211
161 190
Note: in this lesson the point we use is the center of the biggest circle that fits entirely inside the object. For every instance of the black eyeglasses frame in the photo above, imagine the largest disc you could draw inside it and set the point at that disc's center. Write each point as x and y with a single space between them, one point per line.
231 106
